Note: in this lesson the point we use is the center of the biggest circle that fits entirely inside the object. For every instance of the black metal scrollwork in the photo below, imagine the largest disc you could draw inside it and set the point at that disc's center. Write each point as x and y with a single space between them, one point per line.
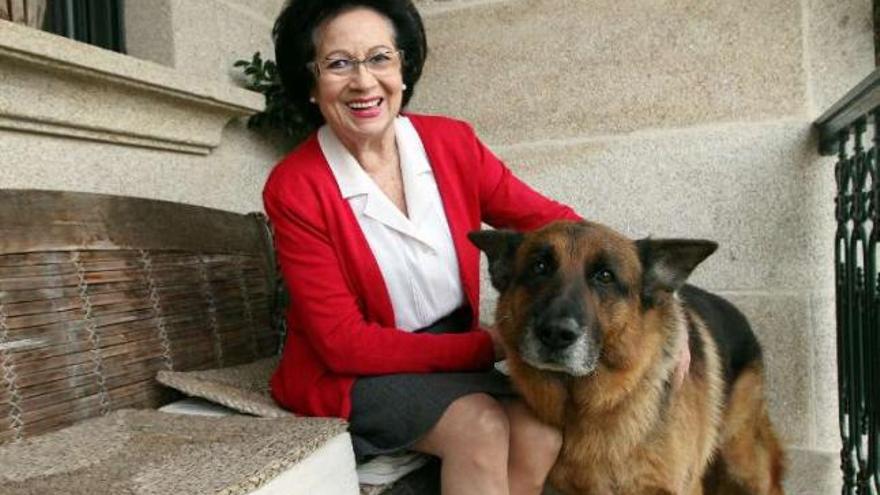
857 206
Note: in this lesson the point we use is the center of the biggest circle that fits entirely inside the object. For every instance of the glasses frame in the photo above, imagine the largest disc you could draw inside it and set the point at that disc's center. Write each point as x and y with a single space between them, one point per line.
315 69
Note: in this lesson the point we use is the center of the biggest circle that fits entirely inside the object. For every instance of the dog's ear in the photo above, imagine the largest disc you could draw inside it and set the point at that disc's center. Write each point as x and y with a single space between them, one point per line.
667 263
499 246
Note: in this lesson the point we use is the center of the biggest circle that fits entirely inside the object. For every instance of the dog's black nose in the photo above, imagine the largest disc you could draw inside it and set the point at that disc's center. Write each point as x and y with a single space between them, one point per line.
558 333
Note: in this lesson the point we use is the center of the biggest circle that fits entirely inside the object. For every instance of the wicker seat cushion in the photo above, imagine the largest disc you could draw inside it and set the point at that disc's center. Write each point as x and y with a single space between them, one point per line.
244 388
150 452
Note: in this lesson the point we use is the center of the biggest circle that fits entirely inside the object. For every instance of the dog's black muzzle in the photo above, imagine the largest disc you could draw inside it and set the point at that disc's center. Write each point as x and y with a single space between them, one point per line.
558 333
562 334
559 321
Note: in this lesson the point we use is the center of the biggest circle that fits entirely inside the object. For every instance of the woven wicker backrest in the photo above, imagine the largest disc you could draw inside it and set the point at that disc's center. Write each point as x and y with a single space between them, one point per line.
98 293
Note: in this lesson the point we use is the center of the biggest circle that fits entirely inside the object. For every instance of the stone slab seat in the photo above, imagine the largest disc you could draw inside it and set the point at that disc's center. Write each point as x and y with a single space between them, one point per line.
151 452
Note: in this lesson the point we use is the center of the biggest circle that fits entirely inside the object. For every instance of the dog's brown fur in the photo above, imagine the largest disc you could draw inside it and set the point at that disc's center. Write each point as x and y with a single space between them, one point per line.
626 428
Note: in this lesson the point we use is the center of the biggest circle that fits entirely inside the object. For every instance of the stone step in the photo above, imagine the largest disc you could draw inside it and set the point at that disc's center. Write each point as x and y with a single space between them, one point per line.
527 70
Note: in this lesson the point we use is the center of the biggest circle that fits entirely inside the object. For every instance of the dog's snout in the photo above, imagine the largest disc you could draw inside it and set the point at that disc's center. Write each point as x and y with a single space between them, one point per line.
558 333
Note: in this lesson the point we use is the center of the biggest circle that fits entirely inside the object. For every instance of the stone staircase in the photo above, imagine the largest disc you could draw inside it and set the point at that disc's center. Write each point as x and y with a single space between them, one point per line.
685 118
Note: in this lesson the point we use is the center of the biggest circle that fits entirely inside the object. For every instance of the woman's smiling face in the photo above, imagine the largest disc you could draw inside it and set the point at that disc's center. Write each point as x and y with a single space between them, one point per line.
361 103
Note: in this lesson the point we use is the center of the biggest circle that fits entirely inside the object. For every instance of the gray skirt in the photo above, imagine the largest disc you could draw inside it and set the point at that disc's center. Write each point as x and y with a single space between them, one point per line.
390 413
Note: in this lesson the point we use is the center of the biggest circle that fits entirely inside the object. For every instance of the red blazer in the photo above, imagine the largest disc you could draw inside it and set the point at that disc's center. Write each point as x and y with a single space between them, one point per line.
340 322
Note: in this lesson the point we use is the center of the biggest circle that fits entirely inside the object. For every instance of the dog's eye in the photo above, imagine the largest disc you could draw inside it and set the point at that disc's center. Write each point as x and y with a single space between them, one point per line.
540 267
604 276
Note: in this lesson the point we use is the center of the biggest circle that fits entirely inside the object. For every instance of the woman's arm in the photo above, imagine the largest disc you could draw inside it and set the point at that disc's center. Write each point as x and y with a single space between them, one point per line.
325 307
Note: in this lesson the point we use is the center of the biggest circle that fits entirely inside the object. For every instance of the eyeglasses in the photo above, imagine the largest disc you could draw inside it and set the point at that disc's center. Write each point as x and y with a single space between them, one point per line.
379 64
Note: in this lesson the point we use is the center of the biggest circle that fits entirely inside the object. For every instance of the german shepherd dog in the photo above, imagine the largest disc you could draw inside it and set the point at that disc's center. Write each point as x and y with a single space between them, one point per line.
593 323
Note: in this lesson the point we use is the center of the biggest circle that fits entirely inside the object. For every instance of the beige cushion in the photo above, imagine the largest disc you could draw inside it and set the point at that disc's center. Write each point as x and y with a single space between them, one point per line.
150 452
244 388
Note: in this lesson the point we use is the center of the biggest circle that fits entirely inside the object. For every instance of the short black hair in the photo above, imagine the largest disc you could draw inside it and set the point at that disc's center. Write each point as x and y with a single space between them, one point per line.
295 47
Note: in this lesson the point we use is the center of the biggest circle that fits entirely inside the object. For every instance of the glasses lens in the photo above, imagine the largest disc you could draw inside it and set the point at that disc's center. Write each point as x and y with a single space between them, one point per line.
338 66
379 63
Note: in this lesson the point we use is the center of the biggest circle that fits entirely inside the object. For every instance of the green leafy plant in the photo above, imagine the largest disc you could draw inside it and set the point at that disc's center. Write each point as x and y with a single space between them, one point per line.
262 76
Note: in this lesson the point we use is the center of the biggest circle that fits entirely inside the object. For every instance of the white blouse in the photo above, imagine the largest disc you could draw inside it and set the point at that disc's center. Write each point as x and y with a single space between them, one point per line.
415 255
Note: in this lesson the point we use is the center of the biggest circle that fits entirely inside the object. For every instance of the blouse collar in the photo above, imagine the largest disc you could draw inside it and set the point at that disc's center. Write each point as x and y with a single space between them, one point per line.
354 181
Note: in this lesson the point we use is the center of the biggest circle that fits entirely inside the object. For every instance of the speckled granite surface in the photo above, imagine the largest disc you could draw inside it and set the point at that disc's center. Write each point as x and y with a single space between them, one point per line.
149 452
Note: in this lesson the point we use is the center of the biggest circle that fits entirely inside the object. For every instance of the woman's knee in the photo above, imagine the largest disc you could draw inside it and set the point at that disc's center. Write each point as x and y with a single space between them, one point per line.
534 447
475 426
481 422
487 419
545 439
528 433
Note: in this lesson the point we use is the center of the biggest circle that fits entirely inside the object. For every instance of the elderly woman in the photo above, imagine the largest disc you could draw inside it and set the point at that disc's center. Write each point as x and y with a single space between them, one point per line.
370 215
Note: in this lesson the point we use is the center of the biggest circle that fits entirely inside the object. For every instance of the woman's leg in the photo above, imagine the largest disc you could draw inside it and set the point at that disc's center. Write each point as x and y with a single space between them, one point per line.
471 438
534 446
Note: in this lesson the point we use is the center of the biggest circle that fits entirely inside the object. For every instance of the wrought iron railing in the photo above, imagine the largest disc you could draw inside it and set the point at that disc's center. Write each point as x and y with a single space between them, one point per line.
851 130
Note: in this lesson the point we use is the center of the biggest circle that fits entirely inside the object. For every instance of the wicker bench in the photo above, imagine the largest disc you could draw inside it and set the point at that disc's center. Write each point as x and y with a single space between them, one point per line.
100 293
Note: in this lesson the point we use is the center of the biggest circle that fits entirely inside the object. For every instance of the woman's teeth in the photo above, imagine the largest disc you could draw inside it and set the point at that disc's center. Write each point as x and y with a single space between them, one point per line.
360 105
